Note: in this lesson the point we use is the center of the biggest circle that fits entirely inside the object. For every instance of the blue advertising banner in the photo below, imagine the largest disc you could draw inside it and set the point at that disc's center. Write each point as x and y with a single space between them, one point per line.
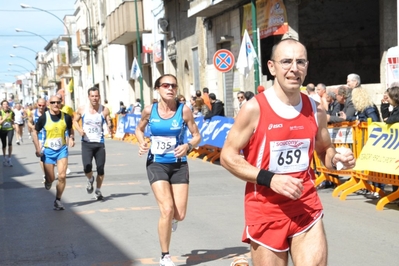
213 131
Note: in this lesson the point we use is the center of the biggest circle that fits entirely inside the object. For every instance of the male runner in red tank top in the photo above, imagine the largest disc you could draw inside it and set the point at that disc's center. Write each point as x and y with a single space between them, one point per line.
278 131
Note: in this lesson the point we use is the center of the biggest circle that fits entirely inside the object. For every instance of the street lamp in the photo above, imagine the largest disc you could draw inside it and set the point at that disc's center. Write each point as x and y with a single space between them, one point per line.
17 71
19 66
21 30
66 27
16 46
24 59
69 37
90 40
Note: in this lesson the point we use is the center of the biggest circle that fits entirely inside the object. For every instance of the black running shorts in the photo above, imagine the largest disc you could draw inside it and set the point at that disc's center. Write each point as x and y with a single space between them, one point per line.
174 173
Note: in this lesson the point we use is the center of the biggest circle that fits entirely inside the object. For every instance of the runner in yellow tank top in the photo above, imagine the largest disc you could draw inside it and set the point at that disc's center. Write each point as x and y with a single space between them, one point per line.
57 133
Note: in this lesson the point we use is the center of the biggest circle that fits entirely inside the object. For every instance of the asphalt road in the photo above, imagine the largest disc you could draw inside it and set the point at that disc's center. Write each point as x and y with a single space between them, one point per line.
122 229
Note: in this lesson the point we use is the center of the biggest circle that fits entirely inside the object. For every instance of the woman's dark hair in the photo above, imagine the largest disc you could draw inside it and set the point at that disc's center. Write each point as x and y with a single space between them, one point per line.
158 81
393 93
342 91
248 95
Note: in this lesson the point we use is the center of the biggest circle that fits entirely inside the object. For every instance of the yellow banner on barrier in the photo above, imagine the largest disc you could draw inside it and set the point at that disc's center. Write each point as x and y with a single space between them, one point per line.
381 151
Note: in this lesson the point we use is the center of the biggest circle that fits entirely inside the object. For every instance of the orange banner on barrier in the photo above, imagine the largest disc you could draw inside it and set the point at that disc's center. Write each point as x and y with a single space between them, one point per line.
380 153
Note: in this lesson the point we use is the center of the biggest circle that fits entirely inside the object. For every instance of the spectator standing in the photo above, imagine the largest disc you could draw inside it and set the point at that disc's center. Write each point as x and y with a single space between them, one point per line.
248 95
198 94
352 81
278 133
217 107
334 107
311 90
391 117
122 109
321 90
205 96
392 101
192 102
129 110
199 103
167 166
137 107
341 99
364 107
241 99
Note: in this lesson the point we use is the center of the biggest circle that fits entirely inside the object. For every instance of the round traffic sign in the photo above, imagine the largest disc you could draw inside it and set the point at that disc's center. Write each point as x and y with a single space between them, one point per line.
223 60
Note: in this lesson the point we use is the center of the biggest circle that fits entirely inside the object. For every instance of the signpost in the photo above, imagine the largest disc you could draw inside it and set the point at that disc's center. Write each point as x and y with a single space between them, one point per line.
223 60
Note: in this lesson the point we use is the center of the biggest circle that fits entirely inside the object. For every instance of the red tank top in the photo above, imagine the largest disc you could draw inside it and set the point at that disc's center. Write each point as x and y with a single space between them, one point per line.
283 146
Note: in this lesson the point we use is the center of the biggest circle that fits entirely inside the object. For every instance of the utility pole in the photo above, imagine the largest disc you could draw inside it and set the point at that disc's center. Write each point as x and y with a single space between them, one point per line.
255 43
139 56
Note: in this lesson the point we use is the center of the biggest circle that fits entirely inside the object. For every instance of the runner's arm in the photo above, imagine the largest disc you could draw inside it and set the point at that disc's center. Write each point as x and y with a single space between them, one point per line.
325 149
35 138
30 121
107 117
145 116
237 138
188 118
76 120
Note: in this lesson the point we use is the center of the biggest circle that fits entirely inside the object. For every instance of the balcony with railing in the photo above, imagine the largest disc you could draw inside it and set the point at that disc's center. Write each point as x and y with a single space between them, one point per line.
86 38
121 23
208 8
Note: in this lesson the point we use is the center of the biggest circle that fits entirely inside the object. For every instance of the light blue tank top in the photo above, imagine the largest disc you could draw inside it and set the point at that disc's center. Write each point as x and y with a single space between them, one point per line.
166 135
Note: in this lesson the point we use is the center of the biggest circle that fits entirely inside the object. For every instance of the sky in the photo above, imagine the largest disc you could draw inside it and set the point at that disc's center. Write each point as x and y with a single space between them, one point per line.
27 19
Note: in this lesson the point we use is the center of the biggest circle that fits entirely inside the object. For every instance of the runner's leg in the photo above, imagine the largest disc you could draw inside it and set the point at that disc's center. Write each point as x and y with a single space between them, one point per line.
99 157
163 194
61 167
263 256
310 247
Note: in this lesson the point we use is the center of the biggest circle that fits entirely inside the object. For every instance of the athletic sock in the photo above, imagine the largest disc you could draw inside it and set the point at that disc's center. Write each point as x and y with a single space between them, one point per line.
163 254
57 198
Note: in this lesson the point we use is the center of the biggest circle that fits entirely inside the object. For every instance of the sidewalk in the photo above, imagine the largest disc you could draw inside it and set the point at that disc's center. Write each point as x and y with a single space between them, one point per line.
122 229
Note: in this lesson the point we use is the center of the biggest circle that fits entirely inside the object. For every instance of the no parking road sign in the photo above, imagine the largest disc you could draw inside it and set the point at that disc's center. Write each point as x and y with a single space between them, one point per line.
223 60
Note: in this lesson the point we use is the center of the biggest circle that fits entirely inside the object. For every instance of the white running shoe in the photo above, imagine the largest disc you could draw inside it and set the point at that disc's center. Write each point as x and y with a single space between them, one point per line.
18 142
68 171
58 205
98 195
166 261
89 187
5 161
9 162
174 225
